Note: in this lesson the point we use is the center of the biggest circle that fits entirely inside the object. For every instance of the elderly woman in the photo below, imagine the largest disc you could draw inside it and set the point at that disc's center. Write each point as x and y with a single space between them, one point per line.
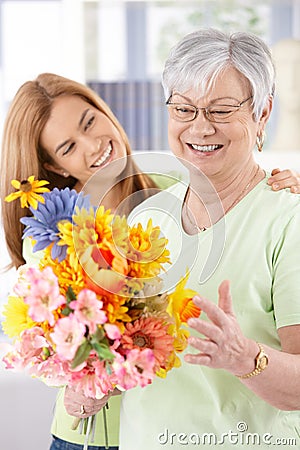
239 383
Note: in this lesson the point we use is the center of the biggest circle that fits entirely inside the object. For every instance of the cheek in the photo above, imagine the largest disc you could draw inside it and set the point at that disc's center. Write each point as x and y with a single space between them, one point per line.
174 134
243 130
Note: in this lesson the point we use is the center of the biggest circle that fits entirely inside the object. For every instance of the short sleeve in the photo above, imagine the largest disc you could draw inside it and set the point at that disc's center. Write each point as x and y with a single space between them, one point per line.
286 284
32 258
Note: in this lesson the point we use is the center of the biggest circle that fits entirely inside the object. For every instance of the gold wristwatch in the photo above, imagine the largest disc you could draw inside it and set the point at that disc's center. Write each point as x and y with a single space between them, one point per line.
261 362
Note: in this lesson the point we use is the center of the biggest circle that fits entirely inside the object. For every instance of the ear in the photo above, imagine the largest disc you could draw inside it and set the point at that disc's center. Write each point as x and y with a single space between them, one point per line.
56 169
266 113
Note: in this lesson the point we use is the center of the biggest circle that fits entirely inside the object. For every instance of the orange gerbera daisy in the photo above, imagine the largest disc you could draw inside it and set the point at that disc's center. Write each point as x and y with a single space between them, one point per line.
150 333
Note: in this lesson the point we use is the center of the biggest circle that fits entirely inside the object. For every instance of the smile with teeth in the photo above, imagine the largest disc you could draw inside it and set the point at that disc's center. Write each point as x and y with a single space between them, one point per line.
103 158
205 148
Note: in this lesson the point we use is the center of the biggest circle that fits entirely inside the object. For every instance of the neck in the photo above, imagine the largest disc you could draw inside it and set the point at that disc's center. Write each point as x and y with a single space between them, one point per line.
227 184
208 201
101 193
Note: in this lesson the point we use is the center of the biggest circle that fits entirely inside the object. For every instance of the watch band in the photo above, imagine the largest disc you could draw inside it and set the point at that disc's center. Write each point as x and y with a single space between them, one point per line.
261 362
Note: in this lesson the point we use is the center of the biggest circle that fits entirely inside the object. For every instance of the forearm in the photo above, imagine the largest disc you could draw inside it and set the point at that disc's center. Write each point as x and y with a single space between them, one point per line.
221 344
279 383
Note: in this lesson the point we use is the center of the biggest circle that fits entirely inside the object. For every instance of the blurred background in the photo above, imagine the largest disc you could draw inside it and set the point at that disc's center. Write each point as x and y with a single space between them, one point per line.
118 48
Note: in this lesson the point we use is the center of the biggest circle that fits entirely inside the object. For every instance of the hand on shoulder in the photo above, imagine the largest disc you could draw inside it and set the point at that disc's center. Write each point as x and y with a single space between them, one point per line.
282 179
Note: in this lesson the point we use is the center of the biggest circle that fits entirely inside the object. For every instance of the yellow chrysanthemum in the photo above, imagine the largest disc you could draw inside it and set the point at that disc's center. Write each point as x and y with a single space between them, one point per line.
67 274
173 361
180 343
29 191
180 336
116 311
17 318
103 221
66 238
181 303
94 241
147 251
91 227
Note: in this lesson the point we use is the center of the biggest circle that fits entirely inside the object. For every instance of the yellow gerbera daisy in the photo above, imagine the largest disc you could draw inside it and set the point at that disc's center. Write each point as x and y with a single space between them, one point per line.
17 318
29 191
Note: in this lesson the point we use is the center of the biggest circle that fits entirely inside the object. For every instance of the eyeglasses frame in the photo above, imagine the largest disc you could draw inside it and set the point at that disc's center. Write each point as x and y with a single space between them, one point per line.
204 109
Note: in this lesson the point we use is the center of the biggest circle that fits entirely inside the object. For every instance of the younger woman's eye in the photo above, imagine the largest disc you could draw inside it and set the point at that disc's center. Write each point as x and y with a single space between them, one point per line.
68 149
89 122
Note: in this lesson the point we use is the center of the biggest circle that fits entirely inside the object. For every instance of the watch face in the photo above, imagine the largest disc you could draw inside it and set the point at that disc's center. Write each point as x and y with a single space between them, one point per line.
263 362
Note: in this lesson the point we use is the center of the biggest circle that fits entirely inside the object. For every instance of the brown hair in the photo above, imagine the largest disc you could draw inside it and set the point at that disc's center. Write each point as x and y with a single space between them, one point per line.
22 154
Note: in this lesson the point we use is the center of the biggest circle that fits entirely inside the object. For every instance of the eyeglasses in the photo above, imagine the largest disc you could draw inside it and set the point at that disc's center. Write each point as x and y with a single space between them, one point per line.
214 113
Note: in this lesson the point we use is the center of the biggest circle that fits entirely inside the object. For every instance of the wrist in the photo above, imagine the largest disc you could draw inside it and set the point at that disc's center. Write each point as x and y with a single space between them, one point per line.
259 363
246 361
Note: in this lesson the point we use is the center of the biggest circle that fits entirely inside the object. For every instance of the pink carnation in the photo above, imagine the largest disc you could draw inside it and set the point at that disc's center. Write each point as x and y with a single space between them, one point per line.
54 371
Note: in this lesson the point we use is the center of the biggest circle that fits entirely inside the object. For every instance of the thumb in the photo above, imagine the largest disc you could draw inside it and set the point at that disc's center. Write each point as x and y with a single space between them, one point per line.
225 300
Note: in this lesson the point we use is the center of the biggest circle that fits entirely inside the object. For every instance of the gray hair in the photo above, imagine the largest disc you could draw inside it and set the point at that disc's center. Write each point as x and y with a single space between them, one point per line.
200 57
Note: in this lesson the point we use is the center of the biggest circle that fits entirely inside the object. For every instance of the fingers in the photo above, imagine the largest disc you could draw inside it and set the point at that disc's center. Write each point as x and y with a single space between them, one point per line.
213 312
78 405
219 340
207 329
217 314
203 360
274 171
225 300
282 179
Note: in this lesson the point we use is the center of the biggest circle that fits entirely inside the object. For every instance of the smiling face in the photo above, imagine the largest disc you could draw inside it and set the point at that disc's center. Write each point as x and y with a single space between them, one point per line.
217 149
80 140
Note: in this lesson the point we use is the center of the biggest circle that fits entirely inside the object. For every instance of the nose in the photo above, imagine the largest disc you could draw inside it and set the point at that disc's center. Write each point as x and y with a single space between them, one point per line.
201 125
90 144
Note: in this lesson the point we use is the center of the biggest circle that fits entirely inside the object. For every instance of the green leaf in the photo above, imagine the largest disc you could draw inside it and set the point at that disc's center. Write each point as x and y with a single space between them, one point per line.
81 354
66 311
103 351
98 335
70 295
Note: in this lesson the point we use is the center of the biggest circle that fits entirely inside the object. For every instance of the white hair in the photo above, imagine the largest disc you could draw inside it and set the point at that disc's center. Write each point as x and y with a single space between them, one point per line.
201 56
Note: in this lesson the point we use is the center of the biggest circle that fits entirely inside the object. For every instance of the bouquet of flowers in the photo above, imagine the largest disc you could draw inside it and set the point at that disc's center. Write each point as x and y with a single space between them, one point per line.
90 315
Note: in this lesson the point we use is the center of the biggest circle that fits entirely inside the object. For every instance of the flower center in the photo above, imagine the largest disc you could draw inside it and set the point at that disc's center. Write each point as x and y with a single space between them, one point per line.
45 300
141 340
69 338
25 186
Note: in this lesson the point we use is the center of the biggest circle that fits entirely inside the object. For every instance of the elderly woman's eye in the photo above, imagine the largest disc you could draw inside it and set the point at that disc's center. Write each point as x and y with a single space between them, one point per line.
221 111
183 109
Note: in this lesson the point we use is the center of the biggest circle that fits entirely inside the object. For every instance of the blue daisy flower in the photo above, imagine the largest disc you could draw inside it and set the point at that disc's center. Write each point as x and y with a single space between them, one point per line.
42 227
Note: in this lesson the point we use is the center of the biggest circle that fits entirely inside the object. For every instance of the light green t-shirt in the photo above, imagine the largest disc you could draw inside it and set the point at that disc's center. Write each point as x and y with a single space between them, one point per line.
62 421
256 246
